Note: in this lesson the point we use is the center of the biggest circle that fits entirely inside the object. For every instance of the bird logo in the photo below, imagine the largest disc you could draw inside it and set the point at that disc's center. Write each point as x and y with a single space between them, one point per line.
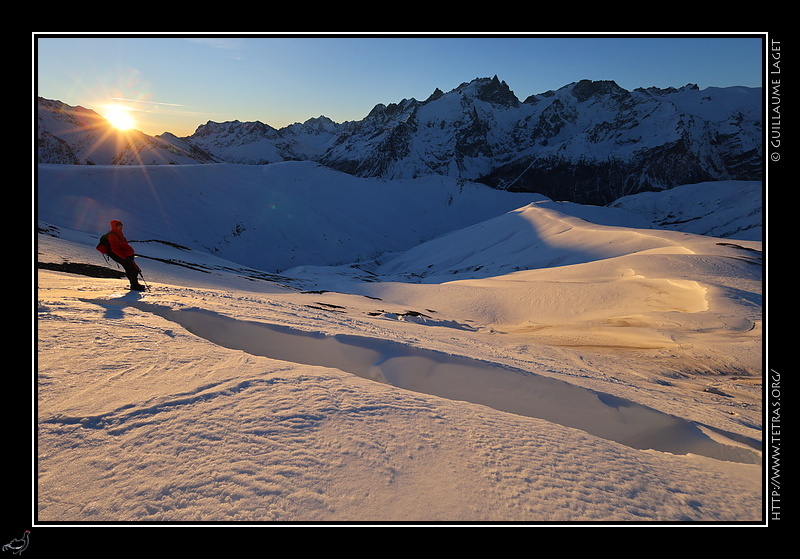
18 545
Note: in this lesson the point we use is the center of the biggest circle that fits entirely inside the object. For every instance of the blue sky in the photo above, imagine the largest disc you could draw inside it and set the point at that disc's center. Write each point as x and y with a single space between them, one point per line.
176 83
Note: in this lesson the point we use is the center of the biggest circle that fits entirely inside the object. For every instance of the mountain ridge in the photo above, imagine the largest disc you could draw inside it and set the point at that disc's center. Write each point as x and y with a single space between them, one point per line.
587 142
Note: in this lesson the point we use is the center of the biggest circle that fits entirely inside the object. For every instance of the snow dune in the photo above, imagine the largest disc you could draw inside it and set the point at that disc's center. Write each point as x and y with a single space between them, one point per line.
565 281
532 237
499 358
458 378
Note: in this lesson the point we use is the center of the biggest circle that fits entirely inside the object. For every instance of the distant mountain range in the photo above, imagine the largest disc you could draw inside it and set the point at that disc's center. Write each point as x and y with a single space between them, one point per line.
589 142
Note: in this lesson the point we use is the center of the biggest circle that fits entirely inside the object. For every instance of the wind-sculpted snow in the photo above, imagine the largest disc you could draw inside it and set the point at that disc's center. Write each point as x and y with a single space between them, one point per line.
458 378
450 387
536 236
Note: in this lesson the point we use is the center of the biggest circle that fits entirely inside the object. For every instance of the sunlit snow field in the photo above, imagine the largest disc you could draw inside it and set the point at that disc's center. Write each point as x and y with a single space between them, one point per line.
320 348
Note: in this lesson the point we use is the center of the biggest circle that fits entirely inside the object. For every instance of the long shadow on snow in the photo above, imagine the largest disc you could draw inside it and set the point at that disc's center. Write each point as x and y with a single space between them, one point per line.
458 378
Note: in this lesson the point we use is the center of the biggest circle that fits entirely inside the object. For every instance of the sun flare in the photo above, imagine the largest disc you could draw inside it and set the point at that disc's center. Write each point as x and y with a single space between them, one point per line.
119 117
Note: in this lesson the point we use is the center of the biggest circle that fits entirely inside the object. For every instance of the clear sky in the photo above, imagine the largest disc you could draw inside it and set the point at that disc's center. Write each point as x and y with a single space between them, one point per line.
176 83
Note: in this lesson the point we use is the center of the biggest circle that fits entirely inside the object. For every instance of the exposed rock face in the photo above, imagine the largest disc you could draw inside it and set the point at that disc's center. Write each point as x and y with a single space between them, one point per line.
589 142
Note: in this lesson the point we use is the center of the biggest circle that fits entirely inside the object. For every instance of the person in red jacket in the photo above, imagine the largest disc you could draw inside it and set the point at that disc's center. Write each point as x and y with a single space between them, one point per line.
122 253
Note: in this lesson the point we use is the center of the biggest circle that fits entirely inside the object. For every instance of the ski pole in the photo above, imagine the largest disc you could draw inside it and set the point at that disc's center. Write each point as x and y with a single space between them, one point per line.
141 275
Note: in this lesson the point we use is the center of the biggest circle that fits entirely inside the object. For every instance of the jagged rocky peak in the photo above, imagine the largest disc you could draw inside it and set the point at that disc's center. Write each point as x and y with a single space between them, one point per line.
437 94
317 125
533 99
392 111
584 90
234 127
666 90
491 90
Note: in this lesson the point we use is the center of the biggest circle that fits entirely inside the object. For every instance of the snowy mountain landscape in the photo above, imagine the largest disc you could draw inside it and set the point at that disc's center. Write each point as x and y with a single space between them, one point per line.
588 142
327 341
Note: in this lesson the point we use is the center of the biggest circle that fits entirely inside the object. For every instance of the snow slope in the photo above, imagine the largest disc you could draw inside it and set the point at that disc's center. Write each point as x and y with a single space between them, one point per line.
614 376
721 209
271 217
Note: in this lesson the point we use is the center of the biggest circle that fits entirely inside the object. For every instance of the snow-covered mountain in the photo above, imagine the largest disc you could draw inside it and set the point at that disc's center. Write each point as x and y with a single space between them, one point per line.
80 136
588 142
258 143
720 209
346 325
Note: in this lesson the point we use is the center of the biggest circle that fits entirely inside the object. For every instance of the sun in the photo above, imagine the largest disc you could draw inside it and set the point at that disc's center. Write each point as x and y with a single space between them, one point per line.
119 117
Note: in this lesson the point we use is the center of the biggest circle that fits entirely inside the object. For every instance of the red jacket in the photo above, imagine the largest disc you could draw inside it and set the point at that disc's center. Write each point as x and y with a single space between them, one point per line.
119 244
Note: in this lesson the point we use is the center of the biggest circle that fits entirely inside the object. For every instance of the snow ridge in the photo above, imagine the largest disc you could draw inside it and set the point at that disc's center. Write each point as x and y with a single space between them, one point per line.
458 378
